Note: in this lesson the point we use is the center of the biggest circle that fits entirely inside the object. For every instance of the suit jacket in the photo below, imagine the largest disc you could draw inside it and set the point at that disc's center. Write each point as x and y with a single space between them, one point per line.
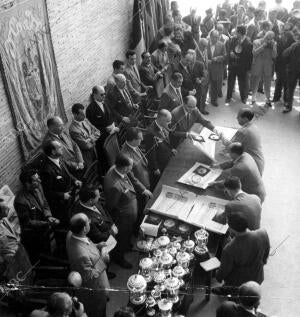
158 147
9 239
291 57
194 23
71 152
101 221
216 68
230 309
252 30
250 138
86 259
246 204
244 257
119 106
98 118
31 207
140 164
170 99
147 74
182 125
134 82
85 135
246 169
243 61
263 59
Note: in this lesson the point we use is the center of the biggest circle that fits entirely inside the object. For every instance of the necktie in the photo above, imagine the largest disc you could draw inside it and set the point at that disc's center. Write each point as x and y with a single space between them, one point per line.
179 95
126 97
188 120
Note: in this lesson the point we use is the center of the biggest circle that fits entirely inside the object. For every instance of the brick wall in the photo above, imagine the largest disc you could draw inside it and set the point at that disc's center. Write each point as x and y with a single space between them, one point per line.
87 36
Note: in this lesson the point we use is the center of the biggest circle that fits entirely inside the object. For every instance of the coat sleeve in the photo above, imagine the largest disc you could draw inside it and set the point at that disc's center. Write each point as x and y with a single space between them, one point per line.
48 180
226 266
99 233
77 152
138 186
81 141
267 251
204 122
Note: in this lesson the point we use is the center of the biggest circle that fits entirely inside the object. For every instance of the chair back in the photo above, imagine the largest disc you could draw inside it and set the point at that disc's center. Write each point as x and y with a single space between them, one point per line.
111 148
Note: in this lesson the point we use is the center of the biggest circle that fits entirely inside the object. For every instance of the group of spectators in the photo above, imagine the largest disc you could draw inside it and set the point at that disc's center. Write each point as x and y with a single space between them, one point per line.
190 57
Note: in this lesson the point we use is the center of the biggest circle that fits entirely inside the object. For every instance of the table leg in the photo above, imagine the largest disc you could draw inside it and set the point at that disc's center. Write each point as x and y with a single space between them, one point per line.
208 286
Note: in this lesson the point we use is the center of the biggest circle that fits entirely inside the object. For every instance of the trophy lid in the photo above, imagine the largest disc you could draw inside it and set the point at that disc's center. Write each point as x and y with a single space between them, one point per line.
169 223
176 245
184 228
172 283
146 263
165 304
136 282
183 256
163 241
178 271
188 244
166 258
157 252
172 251
159 276
201 234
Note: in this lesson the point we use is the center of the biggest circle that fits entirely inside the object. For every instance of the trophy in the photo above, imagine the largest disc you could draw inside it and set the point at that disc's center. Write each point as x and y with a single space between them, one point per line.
188 246
146 265
179 272
137 285
166 261
159 278
163 242
150 304
165 307
172 286
201 250
183 259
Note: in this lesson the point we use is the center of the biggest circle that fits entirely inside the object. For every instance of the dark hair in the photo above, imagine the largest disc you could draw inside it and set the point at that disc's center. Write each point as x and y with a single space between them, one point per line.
117 64
122 160
241 29
56 304
265 24
132 133
233 183
222 12
26 175
124 312
248 296
87 192
258 12
247 113
237 222
251 9
130 53
49 147
168 30
76 107
176 13
162 44
143 54
77 225
236 148
51 122
176 76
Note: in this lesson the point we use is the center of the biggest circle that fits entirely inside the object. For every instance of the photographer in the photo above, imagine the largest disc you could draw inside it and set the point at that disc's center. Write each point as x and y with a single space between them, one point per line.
264 54
61 305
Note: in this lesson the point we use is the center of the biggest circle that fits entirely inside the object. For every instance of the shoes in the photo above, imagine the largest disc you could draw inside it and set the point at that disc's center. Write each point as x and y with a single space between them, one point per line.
215 104
268 103
204 112
261 91
286 110
111 275
123 263
220 95
275 100
228 100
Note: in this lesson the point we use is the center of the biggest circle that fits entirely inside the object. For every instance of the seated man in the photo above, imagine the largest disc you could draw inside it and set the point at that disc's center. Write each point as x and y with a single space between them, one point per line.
34 214
13 256
101 223
184 117
70 150
249 295
248 205
58 183
89 260
84 134
244 257
244 167
249 136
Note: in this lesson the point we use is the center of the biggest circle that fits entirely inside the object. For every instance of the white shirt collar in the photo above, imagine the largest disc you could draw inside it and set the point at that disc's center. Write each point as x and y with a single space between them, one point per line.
238 193
120 174
132 147
83 239
55 161
100 104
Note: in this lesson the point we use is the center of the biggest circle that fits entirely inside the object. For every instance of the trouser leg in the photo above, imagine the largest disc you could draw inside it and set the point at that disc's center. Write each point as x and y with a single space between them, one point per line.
278 86
230 82
292 82
213 91
242 85
267 79
255 79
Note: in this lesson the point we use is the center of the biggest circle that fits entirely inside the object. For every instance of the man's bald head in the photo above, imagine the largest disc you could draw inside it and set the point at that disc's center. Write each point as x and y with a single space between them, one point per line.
55 125
250 294
189 103
78 223
98 93
214 36
164 118
203 43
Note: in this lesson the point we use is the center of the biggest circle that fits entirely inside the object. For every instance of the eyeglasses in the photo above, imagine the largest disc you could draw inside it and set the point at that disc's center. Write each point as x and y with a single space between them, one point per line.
102 94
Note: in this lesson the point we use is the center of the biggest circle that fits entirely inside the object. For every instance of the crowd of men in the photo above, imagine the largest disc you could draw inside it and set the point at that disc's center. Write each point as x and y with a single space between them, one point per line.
191 56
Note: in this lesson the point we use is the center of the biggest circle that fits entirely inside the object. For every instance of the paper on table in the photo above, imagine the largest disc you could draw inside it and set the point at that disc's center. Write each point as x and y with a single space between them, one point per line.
111 242
210 264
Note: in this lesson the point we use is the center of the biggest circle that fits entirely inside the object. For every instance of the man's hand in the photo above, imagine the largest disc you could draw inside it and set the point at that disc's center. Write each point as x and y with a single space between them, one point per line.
126 120
114 229
80 166
53 220
78 183
157 172
148 88
174 152
189 136
67 196
80 311
232 55
135 106
192 92
215 165
211 184
147 193
101 245
198 81
143 94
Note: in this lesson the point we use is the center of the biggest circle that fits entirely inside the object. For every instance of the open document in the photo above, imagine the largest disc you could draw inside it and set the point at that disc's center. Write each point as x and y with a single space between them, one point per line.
200 175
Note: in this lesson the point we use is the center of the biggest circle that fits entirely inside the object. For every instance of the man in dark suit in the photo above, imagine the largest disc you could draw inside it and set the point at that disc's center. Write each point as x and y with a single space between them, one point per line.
216 54
120 190
100 116
34 215
193 20
244 257
184 117
84 134
241 202
244 167
89 260
71 152
58 183
158 146
249 136
240 60
249 295
172 96
120 103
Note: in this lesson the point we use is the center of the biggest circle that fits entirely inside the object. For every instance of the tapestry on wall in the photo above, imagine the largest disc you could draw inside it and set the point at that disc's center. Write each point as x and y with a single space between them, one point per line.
29 70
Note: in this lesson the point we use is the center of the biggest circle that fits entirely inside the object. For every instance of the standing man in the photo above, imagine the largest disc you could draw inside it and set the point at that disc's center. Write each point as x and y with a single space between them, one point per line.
264 54
208 23
216 53
84 134
120 190
253 27
193 20
118 68
240 60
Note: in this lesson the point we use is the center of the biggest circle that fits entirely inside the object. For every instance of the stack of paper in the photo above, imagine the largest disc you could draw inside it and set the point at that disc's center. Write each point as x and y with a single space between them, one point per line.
210 264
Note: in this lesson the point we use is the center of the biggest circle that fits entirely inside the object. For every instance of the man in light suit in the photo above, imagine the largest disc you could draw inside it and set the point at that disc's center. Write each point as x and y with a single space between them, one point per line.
89 260
158 145
244 257
120 190
244 167
216 54
249 136
264 54
184 117
84 134
248 205
71 152
172 96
